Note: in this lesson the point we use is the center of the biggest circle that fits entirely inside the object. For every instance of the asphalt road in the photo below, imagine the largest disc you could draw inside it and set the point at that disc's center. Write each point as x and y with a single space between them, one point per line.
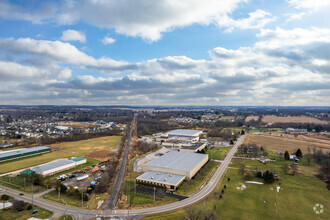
86 214
113 196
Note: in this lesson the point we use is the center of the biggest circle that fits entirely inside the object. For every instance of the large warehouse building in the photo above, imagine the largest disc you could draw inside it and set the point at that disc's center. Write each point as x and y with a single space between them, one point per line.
57 166
185 135
12 154
172 168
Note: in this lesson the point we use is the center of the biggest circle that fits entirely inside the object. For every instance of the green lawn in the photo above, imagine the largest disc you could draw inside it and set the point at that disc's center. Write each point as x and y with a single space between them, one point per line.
190 186
12 214
296 198
218 153
65 217
95 148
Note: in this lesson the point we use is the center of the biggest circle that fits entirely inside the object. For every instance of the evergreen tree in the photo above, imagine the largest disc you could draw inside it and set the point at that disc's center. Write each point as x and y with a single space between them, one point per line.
268 177
231 142
242 132
286 155
299 153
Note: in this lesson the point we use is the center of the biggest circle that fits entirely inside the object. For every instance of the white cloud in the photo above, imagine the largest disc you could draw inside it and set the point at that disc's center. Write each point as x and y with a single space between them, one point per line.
108 40
65 74
256 19
72 35
309 4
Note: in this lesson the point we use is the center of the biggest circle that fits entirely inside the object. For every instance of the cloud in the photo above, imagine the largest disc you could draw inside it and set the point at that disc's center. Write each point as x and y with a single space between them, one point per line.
308 4
256 20
284 67
108 40
146 19
72 35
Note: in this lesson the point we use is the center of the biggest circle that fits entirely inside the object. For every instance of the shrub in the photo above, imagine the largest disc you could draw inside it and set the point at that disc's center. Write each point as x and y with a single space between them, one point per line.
29 207
4 197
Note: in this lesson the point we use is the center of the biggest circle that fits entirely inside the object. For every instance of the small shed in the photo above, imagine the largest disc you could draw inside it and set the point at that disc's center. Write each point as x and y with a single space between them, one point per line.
27 172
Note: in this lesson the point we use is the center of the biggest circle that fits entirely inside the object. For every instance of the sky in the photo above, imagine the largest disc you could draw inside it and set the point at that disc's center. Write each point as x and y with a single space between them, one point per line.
165 52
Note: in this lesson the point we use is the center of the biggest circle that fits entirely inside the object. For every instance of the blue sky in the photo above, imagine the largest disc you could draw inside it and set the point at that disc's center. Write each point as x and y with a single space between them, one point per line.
167 52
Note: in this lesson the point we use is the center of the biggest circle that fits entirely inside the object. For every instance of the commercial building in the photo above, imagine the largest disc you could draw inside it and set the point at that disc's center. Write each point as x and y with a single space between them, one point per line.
13 154
180 163
172 168
193 147
180 135
57 166
78 160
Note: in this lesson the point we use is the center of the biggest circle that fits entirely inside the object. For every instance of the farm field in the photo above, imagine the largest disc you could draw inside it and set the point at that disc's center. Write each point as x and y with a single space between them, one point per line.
309 137
295 199
250 118
297 119
74 124
283 144
95 148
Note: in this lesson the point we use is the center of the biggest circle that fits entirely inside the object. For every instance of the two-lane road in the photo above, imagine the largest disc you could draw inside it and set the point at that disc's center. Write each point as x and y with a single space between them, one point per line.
202 193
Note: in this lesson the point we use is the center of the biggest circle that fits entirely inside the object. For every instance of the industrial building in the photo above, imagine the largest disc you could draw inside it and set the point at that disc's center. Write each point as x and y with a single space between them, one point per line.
172 168
193 147
57 166
180 135
13 154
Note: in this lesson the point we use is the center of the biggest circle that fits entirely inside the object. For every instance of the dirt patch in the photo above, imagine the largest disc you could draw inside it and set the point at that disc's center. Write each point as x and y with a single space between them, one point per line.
100 155
299 119
250 118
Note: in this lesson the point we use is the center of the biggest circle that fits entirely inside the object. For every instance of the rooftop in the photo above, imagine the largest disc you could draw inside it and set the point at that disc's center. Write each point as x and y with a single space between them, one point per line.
185 161
161 177
184 132
76 159
53 164
193 146
22 151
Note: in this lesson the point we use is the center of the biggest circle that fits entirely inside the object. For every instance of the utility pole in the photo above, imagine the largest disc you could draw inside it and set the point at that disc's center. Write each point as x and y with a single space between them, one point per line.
32 194
82 198
59 192
154 194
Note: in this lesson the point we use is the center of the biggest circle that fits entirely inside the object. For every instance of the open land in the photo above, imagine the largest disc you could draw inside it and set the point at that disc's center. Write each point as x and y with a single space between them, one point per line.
284 144
297 196
95 148
250 118
74 124
297 119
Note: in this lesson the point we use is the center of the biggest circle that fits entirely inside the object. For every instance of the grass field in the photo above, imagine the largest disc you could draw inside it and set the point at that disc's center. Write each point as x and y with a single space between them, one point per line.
250 118
218 153
296 198
283 144
95 148
12 214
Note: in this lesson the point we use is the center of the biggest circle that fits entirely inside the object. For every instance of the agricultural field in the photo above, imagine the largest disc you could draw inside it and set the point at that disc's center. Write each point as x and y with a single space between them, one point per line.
95 148
250 118
297 119
309 137
284 144
74 124
295 198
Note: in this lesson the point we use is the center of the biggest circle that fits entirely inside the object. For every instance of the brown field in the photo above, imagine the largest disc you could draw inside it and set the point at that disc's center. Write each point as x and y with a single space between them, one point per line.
73 124
283 144
299 119
308 137
250 118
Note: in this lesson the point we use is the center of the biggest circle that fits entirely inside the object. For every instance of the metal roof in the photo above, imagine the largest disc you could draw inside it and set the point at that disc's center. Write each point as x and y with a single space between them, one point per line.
22 151
76 159
185 161
184 132
161 177
193 146
53 164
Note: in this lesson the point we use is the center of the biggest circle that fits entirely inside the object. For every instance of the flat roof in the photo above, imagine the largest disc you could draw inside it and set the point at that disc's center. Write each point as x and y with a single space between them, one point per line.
54 164
193 146
76 159
184 132
185 161
161 177
21 151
